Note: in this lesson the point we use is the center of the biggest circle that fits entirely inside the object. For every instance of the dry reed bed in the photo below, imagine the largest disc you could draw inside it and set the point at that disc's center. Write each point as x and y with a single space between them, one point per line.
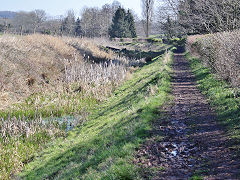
221 53
95 79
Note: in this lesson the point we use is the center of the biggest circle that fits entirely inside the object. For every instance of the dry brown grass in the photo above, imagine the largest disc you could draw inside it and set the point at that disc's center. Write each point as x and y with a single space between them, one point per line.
25 60
88 47
38 63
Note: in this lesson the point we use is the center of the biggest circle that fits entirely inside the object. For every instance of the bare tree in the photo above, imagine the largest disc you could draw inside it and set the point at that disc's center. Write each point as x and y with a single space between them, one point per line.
147 13
106 15
23 22
52 26
96 22
115 5
167 18
68 23
207 16
5 25
91 22
39 17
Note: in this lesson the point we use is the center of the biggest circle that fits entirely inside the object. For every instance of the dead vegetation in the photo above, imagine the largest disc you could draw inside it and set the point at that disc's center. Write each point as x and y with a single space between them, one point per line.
42 63
24 60
96 79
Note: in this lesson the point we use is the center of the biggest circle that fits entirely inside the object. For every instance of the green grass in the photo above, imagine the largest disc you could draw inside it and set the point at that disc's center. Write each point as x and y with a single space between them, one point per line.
224 99
54 104
17 149
196 177
104 147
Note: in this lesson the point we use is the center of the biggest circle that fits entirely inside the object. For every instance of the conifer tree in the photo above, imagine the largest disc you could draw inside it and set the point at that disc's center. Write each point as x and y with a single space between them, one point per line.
131 24
78 28
123 25
119 27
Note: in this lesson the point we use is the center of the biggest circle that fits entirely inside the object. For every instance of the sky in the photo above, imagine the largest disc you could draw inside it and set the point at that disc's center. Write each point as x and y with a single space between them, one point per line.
59 7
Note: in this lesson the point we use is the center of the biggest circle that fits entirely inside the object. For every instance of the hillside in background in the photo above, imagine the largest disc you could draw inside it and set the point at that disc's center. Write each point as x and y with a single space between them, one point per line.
7 14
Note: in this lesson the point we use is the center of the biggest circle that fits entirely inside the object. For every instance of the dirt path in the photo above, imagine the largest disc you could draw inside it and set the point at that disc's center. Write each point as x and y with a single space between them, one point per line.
193 143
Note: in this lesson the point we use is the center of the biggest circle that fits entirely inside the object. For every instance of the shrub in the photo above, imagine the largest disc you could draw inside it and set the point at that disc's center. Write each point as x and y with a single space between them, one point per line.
221 53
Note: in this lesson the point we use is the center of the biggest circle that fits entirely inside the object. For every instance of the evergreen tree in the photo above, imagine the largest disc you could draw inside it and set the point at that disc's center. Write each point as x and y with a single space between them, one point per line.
78 28
64 25
119 26
131 24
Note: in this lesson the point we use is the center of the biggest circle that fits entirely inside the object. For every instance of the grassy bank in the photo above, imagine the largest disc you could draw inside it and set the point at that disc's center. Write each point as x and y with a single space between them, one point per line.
104 147
224 99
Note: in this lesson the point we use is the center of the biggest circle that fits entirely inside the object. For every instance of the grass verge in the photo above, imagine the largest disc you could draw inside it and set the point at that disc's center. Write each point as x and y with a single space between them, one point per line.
104 147
224 99
51 104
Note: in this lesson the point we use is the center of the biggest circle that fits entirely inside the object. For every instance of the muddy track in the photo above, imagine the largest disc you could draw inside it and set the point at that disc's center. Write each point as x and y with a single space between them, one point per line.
193 143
